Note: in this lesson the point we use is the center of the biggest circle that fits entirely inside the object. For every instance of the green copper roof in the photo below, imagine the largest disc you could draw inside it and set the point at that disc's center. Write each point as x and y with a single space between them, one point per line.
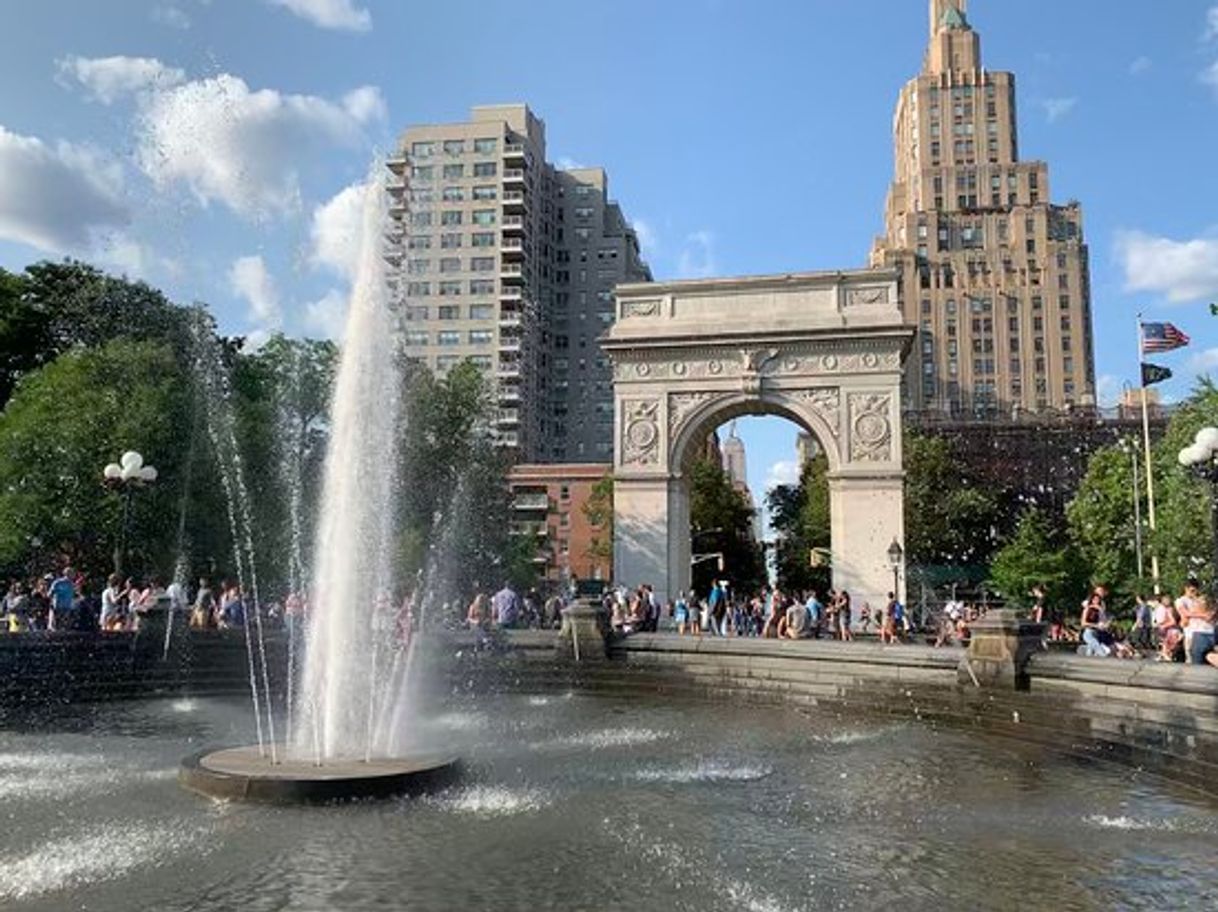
953 19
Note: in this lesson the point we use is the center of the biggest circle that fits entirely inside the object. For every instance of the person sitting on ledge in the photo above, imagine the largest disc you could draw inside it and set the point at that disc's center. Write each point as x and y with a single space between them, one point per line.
1197 616
1097 639
1169 631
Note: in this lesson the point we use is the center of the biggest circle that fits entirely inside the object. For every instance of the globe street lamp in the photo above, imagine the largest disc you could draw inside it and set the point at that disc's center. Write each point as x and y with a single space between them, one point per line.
895 554
1201 458
125 477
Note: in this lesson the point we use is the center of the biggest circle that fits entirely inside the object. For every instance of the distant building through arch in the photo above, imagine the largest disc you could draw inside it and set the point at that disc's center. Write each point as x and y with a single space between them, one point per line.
825 350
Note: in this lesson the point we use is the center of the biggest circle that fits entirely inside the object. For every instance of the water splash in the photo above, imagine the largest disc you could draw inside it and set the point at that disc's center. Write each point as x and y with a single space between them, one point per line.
354 537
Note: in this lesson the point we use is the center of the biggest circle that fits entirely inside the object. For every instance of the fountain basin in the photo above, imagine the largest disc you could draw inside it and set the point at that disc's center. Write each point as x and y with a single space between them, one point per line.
242 774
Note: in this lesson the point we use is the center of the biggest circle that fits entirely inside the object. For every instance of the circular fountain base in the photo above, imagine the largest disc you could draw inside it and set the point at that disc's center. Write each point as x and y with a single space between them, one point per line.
242 774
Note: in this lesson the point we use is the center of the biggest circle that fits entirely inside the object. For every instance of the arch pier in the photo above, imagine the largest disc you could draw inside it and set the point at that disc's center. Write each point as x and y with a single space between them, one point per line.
824 350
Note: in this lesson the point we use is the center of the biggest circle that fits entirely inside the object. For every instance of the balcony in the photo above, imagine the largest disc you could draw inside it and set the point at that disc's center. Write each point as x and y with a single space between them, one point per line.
509 344
514 151
513 176
510 321
511 293
527 528
511 270
508 372
509 395
513 199
513 224
396 188
539 501
397 164
511 245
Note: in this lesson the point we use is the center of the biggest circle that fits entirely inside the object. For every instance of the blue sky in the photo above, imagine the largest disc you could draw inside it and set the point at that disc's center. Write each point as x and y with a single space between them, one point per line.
204 145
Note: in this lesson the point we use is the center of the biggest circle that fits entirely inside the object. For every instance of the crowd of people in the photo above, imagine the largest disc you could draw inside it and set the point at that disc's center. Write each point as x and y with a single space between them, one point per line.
1167 628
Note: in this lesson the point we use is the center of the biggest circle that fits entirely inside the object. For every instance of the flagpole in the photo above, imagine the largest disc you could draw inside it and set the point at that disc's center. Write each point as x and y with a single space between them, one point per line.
1150 474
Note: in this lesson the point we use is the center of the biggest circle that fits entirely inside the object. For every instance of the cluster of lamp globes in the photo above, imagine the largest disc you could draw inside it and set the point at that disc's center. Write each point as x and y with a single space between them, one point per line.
129 469
1203 449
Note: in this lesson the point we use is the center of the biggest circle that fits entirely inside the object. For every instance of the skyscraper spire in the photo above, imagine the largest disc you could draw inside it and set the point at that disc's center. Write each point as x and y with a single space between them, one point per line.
947 14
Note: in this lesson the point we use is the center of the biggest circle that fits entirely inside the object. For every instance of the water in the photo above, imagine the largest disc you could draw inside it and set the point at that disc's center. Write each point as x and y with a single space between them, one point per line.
583 803
342 681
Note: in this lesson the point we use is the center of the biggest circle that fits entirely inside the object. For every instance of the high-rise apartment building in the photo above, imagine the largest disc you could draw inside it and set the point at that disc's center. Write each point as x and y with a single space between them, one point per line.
507 261
994 275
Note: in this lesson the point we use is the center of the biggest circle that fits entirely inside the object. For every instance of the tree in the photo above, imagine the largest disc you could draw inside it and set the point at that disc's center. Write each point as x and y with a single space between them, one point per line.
799 514
1101 521
1035 555
55 307
722 521
949 518
598 510
65 422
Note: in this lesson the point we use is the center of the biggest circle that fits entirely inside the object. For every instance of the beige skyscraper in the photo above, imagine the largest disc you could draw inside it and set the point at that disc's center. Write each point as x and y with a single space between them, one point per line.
995 276
509 262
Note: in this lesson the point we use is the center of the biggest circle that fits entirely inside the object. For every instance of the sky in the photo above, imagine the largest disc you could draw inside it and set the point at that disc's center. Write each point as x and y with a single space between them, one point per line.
212 147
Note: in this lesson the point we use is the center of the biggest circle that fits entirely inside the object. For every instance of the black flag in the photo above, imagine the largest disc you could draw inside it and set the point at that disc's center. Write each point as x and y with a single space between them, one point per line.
1152 374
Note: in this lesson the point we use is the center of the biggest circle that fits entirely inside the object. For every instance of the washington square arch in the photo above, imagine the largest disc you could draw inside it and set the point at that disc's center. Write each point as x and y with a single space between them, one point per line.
824 350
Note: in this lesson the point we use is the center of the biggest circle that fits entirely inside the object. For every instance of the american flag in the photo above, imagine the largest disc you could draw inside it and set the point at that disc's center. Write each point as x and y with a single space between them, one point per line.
1161 337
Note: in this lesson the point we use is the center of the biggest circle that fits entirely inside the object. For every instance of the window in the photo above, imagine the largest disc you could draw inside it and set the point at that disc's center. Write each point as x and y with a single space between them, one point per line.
416 313
454 172
1065 322
485 146
583 212
454 146
485 193
482 362
418 267
448 337
450 241
479 337
482 287
485 169
482 264
446 362
482 239
453 195
1038 303
416 337
450 264
418 289
448 312
583 234
448 289
423 149
422 242
422 172
420 219
484 216
481 312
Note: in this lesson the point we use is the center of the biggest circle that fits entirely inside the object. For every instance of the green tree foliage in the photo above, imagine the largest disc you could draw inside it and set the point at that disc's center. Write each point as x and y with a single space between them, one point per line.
949 519
64 423
1101 521
54 307
721 520
1037 555
799 514
598 510
455 500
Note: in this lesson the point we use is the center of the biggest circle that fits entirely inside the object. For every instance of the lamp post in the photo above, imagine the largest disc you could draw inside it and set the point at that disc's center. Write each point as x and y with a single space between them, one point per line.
1201 458
895 555
125 477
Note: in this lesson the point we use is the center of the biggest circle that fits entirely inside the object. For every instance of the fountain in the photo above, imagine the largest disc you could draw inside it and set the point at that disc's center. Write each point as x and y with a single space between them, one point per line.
347 711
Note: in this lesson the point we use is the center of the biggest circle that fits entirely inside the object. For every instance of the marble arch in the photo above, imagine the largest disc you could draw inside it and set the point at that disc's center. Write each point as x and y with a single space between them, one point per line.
824 350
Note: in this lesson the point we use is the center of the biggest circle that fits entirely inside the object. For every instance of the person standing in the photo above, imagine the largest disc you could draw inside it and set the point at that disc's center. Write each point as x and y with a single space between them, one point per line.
505 605
680 613
63 597
112 603
815 612
204 613
844 616
1197 616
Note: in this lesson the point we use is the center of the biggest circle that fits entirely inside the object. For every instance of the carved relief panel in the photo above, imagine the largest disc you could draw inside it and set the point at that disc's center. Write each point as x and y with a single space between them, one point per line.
871 427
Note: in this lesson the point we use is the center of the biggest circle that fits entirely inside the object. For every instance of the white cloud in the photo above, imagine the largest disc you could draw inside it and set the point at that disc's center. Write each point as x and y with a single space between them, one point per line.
1140 66
255 339
109 78
697 259
328 315
172 16
783 472
1211 24
566 163
366 105
337 229
250 279
331 14
225 142
1057 108
1180 270
1108 390
57 198
649 241
1204 362
1210 75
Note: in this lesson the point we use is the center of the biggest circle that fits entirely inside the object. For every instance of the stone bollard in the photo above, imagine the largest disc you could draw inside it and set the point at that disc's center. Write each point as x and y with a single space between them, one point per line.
584 636
998 651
